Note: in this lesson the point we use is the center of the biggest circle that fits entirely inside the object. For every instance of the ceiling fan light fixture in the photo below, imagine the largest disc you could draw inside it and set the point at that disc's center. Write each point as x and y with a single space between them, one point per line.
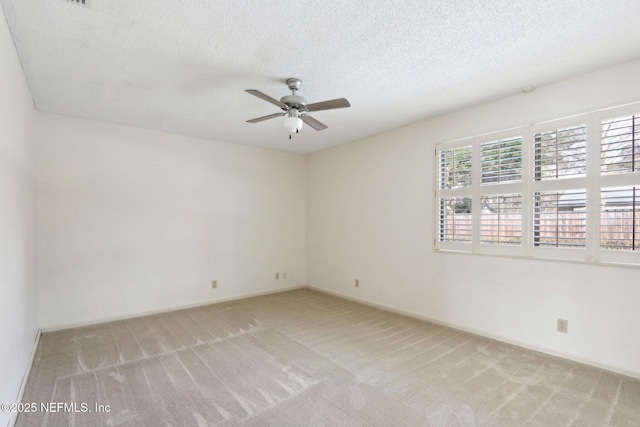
293 122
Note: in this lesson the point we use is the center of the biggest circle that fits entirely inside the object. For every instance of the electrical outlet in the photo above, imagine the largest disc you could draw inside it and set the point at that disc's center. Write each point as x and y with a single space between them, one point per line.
563 326
214 284
284 275
357 283
277 276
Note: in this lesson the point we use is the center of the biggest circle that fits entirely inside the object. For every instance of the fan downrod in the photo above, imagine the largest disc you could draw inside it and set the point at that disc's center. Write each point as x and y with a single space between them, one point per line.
294 101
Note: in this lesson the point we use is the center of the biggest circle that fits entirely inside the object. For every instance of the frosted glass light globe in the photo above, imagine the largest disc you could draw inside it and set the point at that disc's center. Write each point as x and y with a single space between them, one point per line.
292 124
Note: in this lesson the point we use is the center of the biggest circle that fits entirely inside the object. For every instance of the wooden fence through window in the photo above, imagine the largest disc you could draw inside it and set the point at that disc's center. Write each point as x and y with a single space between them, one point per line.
617 228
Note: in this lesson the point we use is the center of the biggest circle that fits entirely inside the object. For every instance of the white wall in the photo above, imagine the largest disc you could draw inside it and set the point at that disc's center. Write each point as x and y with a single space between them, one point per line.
132 221
370 216
18 321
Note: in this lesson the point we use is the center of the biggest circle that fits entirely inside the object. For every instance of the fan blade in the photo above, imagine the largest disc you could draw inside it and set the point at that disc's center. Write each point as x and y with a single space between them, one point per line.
267 98
270 116
329 105
313 122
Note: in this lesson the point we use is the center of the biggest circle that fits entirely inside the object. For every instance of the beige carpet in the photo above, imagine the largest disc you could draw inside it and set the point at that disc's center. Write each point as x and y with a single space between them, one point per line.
303 358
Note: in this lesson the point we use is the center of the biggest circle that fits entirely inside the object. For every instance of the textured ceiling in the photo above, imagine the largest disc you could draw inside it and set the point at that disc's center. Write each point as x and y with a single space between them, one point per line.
182 66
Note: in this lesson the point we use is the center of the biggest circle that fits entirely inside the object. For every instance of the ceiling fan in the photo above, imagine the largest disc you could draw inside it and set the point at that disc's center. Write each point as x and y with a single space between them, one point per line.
295 107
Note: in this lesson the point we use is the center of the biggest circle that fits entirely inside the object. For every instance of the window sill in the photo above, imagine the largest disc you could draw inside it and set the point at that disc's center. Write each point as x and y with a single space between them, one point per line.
601 263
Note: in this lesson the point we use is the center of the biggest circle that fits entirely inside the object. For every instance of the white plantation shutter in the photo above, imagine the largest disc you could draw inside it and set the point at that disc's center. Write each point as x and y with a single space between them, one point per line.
455 167
560 153
620 218
620 181
455 219
559 219
454 197
559 197
501 219
620 147
501 161
567 189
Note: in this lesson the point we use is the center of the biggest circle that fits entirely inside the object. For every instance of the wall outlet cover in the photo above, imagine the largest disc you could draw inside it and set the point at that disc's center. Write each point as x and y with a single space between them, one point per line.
563 326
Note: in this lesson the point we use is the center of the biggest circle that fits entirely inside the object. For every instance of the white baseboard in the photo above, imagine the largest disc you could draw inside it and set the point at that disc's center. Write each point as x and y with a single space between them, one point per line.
483 333
165 309
25 378
508 340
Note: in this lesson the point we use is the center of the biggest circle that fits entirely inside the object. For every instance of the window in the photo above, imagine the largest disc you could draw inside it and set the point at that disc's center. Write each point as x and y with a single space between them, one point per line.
620 149
455 167
566 189
620 183
501 161
561 153
455 219
501 222
455 201
620 219
559 219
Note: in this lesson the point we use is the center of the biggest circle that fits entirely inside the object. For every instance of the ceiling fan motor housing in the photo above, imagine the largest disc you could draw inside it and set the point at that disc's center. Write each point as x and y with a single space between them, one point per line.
294 101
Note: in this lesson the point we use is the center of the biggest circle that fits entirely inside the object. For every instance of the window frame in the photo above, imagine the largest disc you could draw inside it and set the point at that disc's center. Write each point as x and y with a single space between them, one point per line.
623 179
563 183
592 183
458 192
